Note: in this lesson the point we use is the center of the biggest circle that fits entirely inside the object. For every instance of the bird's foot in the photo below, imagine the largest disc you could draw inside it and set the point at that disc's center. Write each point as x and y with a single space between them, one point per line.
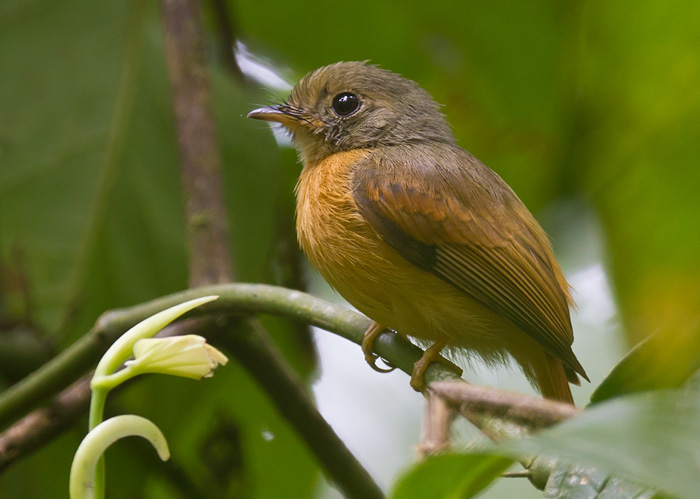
432 354
367 344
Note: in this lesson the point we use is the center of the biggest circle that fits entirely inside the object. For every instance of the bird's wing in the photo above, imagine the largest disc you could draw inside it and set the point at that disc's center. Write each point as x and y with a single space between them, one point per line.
465 225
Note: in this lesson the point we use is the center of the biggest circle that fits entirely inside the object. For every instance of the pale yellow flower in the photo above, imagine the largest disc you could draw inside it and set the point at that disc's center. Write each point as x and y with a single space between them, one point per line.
188 356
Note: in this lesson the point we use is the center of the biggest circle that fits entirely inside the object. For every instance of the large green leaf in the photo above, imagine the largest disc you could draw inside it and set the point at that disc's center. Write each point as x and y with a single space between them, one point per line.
641 370
450 476
651 439
90 195
63 76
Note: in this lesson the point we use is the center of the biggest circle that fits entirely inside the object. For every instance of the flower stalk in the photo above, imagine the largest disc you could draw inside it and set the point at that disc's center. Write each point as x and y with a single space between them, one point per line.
187 356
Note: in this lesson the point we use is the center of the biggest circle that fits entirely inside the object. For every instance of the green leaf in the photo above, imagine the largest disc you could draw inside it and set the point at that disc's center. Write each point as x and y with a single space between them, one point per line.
584 482
625 377
452 476
651 439
640 370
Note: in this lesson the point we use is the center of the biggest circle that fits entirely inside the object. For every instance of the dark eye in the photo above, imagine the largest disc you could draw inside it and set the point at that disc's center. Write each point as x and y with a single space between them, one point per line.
345 104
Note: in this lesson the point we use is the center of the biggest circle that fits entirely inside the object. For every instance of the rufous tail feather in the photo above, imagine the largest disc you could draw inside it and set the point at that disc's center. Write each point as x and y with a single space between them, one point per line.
552 380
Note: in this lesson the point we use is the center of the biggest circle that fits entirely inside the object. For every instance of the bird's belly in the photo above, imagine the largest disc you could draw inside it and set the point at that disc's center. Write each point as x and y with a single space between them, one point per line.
376 279
413 302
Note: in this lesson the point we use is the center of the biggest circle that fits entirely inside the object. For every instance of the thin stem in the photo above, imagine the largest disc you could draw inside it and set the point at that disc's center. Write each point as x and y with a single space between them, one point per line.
105 378
97 406
249 344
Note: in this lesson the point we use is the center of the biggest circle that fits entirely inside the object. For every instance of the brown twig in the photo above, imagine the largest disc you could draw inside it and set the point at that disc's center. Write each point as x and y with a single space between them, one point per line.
40 426
532 412
499 415
437 420
207 230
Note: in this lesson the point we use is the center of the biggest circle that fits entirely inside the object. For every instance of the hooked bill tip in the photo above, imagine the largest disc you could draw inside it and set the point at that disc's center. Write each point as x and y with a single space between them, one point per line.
271 113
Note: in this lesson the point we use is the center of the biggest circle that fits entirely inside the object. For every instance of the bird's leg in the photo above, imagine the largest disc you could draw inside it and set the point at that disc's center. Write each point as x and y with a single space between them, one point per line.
367 343
432 354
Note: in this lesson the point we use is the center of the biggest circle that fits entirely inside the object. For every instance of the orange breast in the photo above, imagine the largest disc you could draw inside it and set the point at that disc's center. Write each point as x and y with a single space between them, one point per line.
340 244
371 275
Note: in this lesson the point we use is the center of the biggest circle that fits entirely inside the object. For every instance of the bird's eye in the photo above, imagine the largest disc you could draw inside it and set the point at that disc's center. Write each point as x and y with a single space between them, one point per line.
345 104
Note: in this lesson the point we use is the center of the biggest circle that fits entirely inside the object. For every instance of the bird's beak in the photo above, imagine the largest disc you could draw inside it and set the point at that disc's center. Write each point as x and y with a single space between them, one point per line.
280 114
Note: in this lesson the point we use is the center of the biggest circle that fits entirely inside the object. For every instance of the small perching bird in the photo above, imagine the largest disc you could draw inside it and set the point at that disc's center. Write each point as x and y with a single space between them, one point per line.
417 233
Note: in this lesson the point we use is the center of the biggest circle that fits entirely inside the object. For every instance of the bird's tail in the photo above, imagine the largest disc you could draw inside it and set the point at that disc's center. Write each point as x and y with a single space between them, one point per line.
551 378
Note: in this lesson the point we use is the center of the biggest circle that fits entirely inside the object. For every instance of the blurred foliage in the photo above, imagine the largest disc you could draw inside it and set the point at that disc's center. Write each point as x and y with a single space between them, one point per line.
594 101
450 476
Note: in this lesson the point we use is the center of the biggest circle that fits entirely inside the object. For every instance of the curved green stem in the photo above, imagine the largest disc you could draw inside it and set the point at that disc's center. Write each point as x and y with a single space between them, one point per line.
89 453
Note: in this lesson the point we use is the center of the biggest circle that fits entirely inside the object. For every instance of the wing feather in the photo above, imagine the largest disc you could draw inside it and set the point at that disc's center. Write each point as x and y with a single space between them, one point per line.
464 224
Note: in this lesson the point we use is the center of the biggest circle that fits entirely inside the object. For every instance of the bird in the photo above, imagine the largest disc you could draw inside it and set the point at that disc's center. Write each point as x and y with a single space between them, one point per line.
417 233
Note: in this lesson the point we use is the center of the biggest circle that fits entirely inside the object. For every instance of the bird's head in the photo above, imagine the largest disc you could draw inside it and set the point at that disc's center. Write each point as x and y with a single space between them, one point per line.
355 105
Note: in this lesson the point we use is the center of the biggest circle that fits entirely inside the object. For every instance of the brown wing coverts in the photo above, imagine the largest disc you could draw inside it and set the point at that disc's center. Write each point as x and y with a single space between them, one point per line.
465 237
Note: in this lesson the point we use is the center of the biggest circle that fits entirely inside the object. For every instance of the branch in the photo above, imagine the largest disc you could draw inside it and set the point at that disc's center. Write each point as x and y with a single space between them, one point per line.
252 348
246 299
530 411
259 298
42 425
207 231
437 422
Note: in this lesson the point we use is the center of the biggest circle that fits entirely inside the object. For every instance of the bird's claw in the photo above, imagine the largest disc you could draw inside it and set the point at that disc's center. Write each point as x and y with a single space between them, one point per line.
371 359
432 354
367 343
